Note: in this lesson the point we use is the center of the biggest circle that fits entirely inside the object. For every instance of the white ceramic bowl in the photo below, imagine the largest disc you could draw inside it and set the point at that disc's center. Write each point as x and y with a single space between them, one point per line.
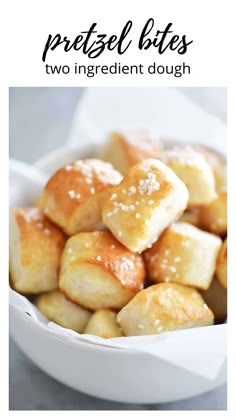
114 374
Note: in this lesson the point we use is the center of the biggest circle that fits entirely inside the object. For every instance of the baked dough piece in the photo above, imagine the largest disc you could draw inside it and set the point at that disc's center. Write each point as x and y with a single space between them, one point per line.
194 170
74 195
98 272
146 201
183 254
125 149
218 166
213 217
191 216
57 308
104 324
221 265
37 201
164 307
216 299
36 245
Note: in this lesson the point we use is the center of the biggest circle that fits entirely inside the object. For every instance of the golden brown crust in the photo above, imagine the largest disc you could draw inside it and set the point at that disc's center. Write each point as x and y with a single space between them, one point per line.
218 166
76 191
138 146
57 308
126 148
164 307
146 201
36 245
183 254
194 170
213 217
216 299
103 323
98 258
221 265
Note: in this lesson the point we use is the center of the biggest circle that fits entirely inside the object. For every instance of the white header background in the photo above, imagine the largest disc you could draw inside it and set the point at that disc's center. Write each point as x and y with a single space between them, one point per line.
30 22
25 26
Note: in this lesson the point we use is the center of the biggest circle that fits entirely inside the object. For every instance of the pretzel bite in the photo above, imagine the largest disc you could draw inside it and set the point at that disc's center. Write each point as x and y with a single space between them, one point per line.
57 308
146 201
36 245
216 299
218 166
213 216
191 216
37 201
194 170
164 307
74 195
104 324
183 254
125 149
221 265
98 272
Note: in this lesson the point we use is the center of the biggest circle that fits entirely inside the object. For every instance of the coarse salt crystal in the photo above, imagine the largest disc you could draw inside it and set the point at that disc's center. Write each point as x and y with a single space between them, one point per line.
47 231
177 259
169 292
68 167
113 196
132 190
71 193
99 258
113 246
78 196
181 299
149 185
92 190
159 329
157 322
137 215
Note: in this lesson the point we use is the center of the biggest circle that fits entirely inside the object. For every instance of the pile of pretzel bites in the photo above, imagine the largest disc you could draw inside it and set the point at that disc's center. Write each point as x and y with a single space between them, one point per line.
131 242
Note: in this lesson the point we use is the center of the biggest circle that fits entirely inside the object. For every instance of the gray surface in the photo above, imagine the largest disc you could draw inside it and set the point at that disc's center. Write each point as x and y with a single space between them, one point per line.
40 120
